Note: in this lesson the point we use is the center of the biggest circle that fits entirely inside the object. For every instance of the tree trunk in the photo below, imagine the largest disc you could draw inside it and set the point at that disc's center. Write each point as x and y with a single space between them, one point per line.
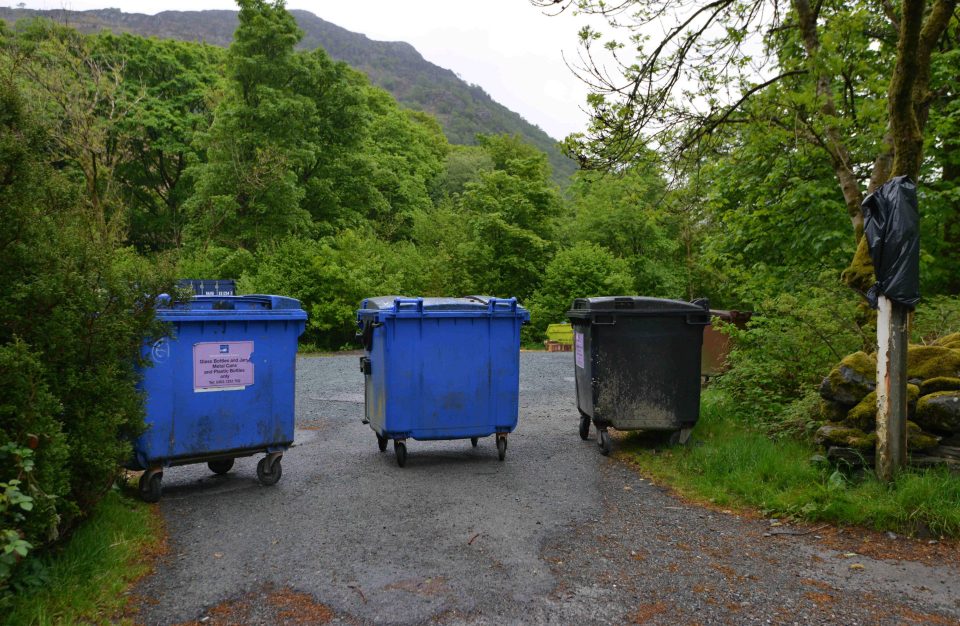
835 144
904 127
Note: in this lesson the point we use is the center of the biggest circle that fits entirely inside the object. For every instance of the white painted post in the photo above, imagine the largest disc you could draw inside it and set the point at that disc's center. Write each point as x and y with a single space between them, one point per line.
892 334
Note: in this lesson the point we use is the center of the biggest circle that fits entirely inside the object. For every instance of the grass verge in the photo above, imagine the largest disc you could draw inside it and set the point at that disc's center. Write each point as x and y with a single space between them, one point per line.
85 578
730 465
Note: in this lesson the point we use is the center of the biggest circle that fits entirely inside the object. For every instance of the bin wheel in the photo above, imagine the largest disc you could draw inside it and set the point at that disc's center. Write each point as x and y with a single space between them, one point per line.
382 443
501 448
603 440
151 486
268 475
668 438
584 427
474 441
220 466
400 449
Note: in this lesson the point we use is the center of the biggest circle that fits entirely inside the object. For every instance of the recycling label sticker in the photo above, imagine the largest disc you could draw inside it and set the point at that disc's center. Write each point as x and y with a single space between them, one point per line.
578 349
222 365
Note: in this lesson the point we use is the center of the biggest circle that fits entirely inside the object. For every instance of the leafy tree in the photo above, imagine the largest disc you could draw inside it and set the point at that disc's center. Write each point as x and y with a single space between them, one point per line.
629 214
76 313
828 52
248 192
495 236
80 101
769 217
464 165
332 276
170 85
335 182
406 154
583 271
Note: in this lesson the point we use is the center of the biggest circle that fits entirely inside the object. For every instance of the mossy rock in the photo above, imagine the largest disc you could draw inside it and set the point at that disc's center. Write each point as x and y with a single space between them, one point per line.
867 443
851 380
926 362
940 383
939 412
829 411
913 396
842 435
864 414
918 440
948 341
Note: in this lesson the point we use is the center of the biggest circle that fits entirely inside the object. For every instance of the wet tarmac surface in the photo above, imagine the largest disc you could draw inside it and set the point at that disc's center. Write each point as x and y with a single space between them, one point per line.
556 533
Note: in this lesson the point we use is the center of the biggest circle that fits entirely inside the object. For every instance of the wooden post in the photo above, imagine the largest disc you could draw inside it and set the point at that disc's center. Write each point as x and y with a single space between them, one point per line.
892 334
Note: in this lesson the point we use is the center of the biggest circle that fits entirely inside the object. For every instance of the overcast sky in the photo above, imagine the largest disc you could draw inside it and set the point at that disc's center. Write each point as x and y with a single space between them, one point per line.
508 47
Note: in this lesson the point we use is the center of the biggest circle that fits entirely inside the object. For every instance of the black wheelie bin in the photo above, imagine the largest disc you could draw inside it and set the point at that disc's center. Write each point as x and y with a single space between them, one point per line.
637 365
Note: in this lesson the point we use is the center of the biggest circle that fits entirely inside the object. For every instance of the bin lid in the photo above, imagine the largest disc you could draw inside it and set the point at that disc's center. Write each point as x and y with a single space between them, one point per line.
584 308
209 286
386 306
237 308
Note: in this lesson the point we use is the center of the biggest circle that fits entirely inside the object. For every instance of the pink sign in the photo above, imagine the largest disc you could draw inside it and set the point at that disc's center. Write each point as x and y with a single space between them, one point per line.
578 351
222 366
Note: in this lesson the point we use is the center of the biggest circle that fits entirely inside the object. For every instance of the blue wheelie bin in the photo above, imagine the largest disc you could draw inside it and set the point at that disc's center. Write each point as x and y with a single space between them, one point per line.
220 387
440 368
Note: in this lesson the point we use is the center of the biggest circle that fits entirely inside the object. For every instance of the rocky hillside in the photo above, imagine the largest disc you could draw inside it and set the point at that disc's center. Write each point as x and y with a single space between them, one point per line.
464 110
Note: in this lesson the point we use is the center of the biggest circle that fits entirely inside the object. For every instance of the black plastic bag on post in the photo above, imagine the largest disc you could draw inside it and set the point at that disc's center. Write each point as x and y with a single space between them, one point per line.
891 224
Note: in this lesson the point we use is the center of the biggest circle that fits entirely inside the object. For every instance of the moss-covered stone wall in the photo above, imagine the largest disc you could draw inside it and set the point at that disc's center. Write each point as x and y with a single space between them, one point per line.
849 400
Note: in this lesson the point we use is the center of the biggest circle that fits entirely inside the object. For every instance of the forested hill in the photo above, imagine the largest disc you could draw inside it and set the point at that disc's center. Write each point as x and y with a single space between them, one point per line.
463 110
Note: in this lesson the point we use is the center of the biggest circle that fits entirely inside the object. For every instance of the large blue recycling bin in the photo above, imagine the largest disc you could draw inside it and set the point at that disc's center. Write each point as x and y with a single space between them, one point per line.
441 368
221 386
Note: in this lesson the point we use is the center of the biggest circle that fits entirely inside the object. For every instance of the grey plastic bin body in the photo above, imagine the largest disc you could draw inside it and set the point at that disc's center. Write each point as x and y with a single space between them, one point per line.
637 361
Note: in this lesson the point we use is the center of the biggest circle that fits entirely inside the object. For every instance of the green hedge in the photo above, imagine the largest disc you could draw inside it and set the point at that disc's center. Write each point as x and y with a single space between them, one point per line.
75 312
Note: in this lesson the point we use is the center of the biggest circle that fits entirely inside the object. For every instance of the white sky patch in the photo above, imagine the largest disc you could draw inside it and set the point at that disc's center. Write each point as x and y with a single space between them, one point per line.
507 47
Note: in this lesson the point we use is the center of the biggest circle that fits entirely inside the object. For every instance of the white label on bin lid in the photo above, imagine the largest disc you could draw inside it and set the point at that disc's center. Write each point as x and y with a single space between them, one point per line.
578 348
222 365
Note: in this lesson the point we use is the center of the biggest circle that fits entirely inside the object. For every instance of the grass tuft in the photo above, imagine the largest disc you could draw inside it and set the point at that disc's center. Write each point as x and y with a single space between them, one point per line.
86 579
730 464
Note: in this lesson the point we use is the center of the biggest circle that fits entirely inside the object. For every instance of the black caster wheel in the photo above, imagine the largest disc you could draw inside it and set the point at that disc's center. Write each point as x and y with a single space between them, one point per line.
584 427
501 448
382 443
603 440
151 487
268 475
474 441
400 449
220 466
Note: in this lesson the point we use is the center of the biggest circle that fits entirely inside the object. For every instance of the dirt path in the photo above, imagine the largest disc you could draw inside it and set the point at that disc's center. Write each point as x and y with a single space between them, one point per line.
555 534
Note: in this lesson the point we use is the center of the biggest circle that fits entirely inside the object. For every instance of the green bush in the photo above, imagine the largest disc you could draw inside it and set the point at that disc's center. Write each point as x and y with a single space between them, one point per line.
779 361
788 347
935 317
331 277
33 456
76 310
583 271
214 262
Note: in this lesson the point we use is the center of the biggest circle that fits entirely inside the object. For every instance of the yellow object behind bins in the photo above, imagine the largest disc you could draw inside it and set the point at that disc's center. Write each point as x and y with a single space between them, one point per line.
561 333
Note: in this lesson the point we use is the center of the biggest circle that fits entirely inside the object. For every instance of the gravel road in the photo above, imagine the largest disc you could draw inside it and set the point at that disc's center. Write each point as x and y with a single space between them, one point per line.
554 534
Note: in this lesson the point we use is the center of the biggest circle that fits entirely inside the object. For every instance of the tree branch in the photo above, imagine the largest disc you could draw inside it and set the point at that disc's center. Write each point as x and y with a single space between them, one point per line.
710 125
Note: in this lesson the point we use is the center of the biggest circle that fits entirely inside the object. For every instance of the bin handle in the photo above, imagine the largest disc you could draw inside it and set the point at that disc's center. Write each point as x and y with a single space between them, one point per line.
503 303
399 303
607 320
698 319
